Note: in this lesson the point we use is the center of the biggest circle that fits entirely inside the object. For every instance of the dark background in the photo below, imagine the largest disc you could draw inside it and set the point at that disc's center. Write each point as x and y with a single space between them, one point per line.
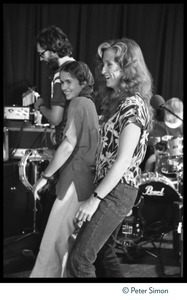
157 28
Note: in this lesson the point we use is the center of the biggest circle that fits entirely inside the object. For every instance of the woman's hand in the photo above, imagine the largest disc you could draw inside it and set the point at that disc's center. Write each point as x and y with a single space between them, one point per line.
87 209
38 186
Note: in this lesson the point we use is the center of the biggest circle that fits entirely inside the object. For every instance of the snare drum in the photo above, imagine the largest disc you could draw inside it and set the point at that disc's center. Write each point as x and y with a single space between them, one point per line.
153 210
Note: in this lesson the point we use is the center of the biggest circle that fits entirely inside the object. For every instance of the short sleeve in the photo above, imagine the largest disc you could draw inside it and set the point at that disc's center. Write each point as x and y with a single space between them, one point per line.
81 122
57 96
133 110
71 134
75 121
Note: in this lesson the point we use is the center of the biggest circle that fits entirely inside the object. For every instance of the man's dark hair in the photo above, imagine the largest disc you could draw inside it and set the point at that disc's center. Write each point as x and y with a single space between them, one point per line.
54 39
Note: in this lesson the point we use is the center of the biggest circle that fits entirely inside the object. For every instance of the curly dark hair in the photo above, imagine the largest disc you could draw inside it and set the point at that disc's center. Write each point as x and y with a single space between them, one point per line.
54 39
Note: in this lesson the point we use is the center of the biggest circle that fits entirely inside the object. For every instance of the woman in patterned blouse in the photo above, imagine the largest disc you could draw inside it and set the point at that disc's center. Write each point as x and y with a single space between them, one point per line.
125 124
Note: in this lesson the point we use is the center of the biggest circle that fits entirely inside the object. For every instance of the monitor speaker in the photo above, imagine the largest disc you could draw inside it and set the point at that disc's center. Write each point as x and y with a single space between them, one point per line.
18 202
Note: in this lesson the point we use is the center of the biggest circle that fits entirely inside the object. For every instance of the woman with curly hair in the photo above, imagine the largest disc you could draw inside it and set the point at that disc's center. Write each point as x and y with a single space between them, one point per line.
125 124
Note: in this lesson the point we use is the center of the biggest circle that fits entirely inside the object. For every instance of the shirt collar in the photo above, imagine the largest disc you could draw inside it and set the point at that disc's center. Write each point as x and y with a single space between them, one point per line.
65 59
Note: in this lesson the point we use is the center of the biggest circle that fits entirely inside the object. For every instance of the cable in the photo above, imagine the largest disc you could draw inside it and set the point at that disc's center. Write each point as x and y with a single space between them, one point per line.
19 139
44 137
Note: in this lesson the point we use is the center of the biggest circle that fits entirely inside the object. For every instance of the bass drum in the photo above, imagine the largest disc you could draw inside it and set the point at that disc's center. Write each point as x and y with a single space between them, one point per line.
153 211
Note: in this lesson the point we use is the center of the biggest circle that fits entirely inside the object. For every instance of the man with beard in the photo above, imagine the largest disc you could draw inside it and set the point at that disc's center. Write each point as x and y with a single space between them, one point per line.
54 49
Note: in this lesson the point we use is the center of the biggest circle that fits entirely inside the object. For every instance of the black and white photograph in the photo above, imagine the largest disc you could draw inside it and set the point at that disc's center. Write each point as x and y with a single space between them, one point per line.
93 108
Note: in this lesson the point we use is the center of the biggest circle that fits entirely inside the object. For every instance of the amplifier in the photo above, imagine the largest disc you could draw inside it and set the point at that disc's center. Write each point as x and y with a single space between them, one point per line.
21 139
16 113
18 201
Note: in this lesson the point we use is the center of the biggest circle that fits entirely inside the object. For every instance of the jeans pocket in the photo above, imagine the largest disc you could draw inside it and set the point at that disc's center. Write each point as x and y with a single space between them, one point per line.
124 197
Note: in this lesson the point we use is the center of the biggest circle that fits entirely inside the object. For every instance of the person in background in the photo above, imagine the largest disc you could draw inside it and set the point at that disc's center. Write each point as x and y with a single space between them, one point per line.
167 126
75 158
126 121
172 124
54 48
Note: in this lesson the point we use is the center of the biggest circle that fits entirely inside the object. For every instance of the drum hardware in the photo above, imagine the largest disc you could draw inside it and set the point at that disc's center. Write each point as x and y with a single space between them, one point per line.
132 227
153 140
180 184
152 215
35 156
169 160
169 154
131 249
5 144
181 250
134 249
178 233
175 146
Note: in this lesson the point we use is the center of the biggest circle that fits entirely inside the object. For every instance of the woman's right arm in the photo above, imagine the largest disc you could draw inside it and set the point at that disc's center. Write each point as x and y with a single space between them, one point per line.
61 155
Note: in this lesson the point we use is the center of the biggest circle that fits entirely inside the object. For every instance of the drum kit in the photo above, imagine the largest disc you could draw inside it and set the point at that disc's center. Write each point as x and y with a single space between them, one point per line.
169 160
153 211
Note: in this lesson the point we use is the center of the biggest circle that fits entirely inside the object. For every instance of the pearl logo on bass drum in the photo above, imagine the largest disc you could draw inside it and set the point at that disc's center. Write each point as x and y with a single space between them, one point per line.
149 191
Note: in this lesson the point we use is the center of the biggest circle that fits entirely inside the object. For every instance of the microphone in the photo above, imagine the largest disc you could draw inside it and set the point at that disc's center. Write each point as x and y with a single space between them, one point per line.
158 101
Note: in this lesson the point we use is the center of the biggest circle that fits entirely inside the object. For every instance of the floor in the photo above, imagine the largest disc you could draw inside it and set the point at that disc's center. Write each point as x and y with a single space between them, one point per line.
159 258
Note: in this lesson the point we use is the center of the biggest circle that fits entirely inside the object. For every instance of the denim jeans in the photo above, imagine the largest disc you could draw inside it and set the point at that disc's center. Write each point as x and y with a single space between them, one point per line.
101 232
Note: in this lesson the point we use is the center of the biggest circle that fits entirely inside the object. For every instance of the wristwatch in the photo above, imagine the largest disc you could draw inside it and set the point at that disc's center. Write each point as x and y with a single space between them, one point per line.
96 196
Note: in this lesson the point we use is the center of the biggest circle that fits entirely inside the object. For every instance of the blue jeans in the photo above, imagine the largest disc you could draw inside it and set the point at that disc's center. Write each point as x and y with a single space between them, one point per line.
99 234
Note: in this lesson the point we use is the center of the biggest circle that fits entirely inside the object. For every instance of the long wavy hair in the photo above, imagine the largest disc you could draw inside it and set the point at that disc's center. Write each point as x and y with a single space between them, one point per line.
136 77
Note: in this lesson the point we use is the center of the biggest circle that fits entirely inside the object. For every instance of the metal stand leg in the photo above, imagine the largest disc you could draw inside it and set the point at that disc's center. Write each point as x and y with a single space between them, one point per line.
180 231
34 229
181 260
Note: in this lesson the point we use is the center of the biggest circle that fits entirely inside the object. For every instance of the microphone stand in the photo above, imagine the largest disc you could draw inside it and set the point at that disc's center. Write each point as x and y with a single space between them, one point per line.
180 225
162 106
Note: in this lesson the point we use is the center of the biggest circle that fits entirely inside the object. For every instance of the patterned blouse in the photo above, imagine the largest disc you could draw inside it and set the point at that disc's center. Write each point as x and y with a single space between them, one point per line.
132 110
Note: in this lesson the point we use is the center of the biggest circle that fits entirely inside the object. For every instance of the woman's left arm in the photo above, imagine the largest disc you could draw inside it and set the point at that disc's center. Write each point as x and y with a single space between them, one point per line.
127 144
